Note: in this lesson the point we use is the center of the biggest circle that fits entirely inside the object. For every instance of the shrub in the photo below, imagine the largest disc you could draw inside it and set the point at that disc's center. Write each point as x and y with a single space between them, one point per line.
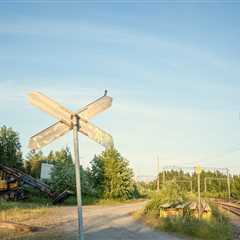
170 193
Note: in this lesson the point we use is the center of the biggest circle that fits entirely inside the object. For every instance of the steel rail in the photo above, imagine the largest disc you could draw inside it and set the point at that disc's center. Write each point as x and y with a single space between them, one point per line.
229 206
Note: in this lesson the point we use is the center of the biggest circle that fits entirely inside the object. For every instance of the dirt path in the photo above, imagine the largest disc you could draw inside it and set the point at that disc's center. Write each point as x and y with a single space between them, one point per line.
101 223
116 222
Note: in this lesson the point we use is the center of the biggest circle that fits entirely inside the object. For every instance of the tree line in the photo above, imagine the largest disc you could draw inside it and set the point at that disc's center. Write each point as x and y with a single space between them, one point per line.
215 181
108 176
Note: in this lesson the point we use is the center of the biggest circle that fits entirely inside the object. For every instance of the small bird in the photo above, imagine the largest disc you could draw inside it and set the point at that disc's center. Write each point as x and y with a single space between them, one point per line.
105 92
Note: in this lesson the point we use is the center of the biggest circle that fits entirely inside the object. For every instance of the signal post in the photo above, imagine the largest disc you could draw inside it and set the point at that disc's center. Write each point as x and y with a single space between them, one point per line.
67 121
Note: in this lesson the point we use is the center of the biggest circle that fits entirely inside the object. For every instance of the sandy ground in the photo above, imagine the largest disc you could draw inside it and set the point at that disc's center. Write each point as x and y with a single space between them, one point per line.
100 223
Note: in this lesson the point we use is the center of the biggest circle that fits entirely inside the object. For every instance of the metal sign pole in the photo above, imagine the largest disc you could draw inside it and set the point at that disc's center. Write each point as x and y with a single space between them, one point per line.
163 176
158 182
78 177
205 185
198 170
66 121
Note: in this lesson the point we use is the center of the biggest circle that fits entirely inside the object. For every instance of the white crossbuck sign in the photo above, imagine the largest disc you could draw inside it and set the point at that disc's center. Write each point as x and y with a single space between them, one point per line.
78 122
65 122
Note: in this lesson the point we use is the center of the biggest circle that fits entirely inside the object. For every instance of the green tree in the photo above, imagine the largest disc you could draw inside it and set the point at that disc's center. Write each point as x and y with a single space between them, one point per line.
111 175
63 174
97 176
34 159
33 163
10 148
235 187
216 181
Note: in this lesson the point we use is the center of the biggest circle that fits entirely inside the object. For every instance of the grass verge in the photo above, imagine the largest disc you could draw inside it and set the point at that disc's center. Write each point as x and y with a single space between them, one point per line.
215 228
19 211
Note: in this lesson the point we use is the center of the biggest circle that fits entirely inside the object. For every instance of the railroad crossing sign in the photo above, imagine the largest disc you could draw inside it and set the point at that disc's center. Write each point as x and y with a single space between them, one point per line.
67 121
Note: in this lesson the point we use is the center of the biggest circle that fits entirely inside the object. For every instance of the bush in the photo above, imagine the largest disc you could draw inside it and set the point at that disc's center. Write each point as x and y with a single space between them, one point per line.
170 193
63 177
212 229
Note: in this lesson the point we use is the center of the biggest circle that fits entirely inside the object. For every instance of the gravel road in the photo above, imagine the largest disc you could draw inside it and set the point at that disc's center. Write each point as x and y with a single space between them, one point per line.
116 223
101 222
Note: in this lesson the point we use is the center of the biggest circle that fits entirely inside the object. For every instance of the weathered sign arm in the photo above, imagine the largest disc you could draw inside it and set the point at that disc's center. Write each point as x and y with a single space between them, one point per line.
58 129
48 135
78 122
95 133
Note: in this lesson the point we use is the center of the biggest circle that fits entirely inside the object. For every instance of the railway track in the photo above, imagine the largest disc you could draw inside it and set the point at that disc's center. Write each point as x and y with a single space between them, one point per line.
233 207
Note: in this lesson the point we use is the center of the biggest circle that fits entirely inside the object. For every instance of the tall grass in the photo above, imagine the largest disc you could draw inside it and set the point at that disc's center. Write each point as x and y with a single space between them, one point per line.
19 211
216 227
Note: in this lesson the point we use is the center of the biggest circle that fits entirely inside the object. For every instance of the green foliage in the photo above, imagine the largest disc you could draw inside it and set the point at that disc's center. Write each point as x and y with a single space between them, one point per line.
108 176
215 187
36 202
111 176
171 192
10 148
33 163
86 200
235 187
63 174
34 159
97 176
145 189
213 229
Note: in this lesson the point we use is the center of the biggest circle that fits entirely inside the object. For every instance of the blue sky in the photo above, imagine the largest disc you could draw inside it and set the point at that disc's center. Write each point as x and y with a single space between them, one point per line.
172 69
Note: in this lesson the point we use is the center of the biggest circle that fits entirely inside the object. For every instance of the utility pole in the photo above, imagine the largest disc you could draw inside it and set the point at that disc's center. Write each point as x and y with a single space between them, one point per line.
219 179
198 170
229 185
164 177
205 184
158 180
199 196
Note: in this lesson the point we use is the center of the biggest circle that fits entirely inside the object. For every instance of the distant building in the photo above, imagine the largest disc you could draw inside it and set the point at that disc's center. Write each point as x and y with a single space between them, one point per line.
46 170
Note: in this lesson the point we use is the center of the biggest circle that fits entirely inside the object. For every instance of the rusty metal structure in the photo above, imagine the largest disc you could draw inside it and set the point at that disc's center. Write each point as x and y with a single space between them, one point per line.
12 182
